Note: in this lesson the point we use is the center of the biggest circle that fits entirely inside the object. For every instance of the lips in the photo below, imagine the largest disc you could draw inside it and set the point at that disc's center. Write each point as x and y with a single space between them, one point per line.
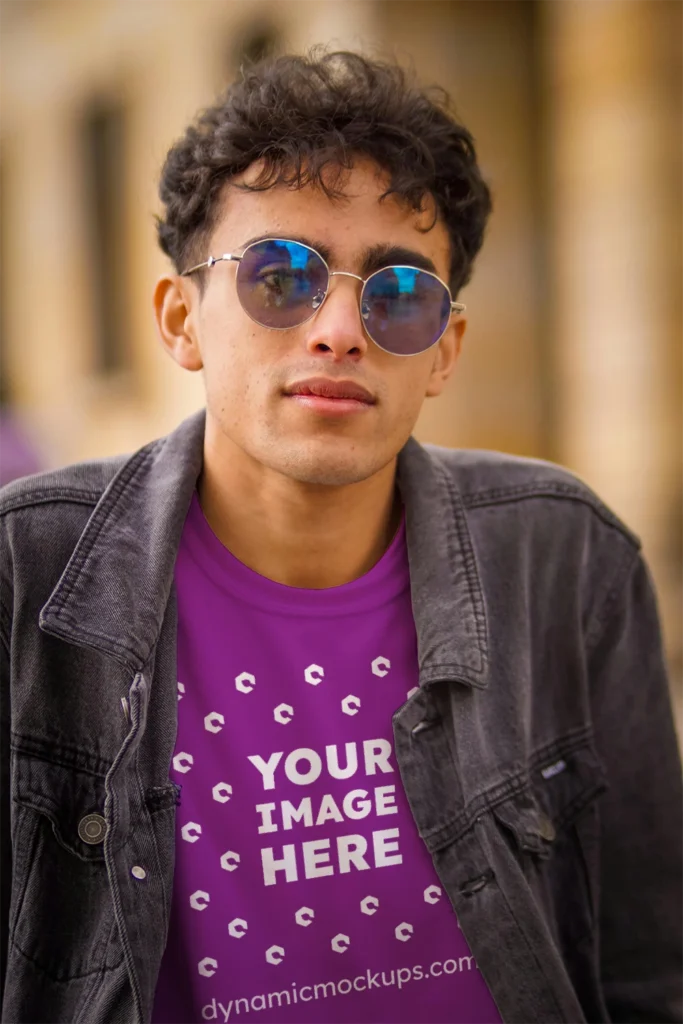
323 387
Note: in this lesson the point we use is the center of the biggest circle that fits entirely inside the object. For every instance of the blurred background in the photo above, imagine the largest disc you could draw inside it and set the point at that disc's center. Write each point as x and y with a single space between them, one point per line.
573 351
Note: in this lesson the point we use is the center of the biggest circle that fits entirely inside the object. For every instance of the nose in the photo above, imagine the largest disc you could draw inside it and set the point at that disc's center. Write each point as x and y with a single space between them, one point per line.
337 326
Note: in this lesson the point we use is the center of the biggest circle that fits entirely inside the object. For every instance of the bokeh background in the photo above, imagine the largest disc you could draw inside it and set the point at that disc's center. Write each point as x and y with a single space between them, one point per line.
573 351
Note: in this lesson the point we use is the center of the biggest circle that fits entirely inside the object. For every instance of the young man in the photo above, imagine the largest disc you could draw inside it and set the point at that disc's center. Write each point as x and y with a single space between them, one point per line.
302 719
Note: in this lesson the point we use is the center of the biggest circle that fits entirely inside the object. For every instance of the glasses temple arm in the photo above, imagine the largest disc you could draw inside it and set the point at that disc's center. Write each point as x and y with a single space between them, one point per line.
210 262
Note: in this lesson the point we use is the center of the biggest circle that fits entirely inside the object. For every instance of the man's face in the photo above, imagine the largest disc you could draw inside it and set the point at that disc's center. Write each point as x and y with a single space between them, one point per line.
248 367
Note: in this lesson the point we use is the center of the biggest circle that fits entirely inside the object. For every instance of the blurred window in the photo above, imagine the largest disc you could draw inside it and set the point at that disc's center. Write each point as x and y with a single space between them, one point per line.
104 147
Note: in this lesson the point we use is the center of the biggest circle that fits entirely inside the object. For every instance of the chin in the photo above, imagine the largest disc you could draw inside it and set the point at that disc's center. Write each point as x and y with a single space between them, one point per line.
327 468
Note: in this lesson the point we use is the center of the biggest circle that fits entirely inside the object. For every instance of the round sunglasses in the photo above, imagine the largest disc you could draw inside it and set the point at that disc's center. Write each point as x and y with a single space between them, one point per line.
282 284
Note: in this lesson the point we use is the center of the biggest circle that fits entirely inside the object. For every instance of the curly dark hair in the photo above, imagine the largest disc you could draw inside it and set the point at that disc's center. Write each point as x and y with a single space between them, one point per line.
307 116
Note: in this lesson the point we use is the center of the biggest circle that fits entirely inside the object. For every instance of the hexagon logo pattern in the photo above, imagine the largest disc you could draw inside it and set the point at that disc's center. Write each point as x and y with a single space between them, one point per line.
304 916
207 967
230 860
350 705
199 900
237 927
275 954
222 792
380 666
191 832
245 682
369 905
214 722
403 931
283 713
181 690
340 943
432 894
183 762
314 674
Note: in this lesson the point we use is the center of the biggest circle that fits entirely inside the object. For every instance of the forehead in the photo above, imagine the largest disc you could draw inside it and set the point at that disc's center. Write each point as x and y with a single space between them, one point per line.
347 226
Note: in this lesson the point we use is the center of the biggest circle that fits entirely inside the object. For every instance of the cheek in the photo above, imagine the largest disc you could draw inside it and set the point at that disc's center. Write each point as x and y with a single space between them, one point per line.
410 389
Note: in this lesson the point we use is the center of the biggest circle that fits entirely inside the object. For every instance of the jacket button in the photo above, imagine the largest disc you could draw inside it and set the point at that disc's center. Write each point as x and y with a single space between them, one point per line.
92 829
546 828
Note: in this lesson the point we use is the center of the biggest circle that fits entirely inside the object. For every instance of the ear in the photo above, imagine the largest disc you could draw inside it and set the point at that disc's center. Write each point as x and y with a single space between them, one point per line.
176 305
446 356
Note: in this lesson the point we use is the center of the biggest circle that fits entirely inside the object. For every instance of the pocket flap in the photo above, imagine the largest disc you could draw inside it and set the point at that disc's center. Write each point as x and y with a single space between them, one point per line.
65 795
560 787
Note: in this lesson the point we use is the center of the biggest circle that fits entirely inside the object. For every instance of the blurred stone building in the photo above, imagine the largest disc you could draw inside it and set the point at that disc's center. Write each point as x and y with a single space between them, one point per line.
573 349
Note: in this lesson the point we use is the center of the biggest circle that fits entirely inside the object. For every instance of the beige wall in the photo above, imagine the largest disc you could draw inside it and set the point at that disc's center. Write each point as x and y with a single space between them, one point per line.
573 346
614 99
164 60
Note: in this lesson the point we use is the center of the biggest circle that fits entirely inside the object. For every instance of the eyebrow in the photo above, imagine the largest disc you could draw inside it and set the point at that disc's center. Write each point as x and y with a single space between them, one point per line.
372 257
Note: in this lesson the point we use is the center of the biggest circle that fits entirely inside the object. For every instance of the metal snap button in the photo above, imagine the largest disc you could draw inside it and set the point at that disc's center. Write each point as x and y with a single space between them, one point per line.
138 872
92 829
546 828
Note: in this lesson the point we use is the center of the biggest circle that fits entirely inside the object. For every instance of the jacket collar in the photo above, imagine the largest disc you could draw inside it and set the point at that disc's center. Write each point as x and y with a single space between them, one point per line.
113 594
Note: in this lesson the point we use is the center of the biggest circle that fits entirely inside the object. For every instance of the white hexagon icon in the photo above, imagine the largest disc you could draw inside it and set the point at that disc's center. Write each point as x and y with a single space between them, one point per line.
222 792
283 713
275 954
314 674
214 722
230 860
304 916
183 762
403 931
369 905
350 705
245 682
432 894
181 690
199 900
207 967
380 666
415 689
340 943
191 832
237 927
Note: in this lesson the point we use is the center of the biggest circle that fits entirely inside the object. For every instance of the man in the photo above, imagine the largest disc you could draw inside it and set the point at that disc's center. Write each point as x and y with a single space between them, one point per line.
308 720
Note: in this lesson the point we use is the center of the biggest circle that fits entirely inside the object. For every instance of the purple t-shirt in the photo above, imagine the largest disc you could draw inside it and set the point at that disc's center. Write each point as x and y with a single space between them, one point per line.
302 890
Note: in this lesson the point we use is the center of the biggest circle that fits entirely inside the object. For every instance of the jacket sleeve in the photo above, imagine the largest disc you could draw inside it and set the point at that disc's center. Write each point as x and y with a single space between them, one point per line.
641 893
5 831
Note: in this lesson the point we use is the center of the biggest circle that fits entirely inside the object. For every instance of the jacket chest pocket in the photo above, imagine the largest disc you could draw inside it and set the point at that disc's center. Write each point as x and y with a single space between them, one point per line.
61 916
553 828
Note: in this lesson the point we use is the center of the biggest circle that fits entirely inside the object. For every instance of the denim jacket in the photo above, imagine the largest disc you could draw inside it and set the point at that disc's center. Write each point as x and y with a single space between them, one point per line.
538 755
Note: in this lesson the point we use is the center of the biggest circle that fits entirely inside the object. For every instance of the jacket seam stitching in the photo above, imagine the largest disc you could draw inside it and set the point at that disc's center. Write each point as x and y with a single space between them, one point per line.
45 497
500 496
514 784
56 756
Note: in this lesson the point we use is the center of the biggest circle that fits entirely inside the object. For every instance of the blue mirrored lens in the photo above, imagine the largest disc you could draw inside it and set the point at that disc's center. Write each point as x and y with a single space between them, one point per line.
281 284
405 310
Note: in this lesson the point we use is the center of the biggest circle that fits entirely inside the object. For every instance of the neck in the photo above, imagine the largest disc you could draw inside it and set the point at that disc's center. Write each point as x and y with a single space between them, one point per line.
301 535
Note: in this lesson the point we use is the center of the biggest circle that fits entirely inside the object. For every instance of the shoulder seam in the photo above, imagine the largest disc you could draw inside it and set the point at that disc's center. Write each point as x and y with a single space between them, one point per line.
561 491
603 615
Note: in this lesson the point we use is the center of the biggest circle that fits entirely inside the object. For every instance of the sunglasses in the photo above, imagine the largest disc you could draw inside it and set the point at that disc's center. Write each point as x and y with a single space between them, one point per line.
282 284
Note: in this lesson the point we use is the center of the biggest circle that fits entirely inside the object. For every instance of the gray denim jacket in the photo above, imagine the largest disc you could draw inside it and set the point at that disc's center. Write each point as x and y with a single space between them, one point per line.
538 755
